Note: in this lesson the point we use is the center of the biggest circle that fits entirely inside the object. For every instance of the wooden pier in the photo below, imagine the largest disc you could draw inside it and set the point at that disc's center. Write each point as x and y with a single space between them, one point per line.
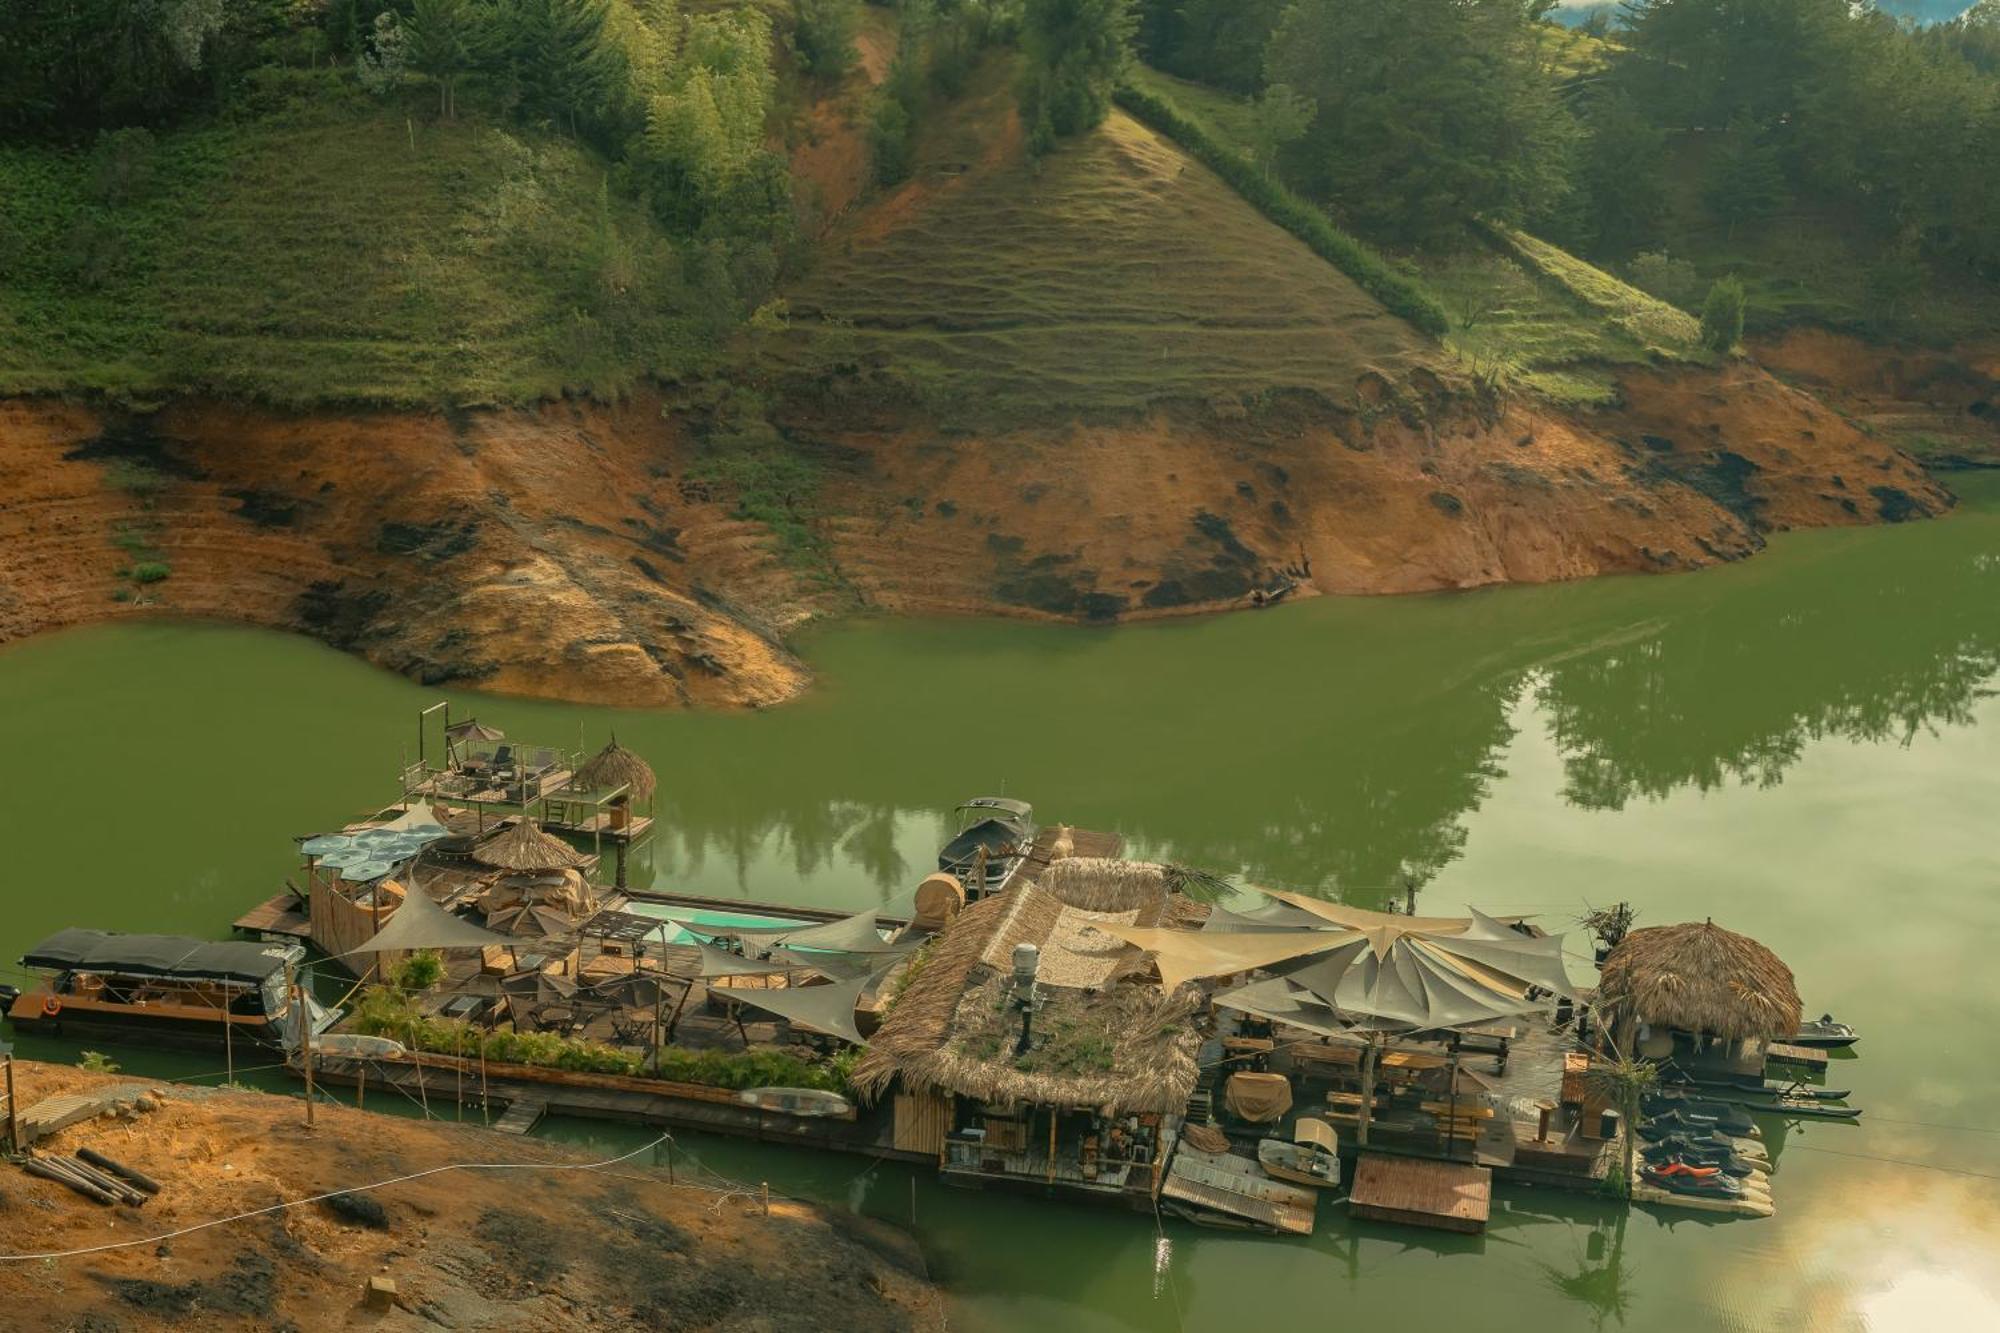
1447 1196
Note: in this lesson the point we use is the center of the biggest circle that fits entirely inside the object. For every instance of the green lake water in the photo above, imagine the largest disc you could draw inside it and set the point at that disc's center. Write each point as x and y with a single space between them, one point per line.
1805 747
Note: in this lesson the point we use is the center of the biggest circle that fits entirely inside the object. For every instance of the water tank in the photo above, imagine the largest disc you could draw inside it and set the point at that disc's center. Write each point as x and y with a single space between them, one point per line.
1027 961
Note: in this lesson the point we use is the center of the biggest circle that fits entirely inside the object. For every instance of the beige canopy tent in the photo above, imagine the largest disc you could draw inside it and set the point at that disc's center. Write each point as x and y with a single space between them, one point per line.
420 923
1187 955
828 1009
857 934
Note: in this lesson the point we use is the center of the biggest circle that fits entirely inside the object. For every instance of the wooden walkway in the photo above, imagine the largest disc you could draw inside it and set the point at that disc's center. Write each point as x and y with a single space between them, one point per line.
1417 1191
523 1113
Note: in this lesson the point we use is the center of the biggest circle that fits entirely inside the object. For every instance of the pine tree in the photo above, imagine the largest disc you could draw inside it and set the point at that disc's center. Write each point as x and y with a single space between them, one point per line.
1745 180
563 70
447 41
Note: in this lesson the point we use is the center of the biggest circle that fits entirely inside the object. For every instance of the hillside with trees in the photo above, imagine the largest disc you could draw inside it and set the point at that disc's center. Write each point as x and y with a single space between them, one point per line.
735 313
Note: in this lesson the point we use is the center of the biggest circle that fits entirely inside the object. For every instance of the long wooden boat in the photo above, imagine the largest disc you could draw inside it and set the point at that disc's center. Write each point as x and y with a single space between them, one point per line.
165 990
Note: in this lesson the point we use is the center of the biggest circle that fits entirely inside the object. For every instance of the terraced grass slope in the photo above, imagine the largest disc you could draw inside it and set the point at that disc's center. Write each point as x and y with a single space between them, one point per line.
1115 274
329 250
1523 313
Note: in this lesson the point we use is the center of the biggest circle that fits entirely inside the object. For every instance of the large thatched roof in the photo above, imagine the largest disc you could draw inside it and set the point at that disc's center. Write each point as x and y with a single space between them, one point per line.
523 846
1700 978
1100 1042
615 766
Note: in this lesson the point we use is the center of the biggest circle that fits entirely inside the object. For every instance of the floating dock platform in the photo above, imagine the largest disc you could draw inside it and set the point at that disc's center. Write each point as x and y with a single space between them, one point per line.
1419 1191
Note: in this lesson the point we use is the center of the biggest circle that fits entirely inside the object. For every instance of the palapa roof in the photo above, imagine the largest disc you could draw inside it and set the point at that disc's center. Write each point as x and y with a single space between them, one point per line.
523 846
1098 1042
1698 977
615 766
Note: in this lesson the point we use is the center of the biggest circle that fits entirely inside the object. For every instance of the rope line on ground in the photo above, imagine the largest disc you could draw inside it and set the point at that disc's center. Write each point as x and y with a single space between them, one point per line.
317 1198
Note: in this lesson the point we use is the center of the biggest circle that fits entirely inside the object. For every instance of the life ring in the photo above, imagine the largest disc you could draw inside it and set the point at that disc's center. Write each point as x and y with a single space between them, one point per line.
51 1006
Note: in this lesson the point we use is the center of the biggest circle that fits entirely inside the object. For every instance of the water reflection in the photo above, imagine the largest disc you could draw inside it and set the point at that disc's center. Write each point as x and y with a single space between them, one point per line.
1341 746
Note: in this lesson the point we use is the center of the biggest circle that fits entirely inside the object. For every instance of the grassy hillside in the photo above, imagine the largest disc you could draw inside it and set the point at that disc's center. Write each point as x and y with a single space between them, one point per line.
326 248
1113 274
1523 312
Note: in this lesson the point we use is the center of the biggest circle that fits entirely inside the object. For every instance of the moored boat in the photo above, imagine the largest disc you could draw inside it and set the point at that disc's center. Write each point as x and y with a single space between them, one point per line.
1313 1158
994 834
167 990
1823 1033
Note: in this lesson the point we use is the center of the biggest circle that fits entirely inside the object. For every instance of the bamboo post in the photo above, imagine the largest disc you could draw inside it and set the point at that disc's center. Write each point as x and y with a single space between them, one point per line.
458 1070
1451 1110
228 1046
1367 1090
767 1197
1054 1115
306 1041
417 1055
13 1117
485 1106
361 1087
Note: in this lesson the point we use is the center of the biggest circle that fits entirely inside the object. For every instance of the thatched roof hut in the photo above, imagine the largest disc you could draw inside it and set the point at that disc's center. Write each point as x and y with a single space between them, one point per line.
1698 977
523 847
615 766
1099 1042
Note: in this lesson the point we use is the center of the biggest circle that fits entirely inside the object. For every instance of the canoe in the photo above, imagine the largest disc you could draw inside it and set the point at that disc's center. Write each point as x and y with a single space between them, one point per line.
1298 1162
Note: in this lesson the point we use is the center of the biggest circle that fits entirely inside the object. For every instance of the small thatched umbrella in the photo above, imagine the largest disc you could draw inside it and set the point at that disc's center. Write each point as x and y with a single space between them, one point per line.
523 847
615 766
1700 978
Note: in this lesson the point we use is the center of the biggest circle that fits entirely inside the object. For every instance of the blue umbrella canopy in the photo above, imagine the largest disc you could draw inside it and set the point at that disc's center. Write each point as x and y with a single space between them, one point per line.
360 872
326 844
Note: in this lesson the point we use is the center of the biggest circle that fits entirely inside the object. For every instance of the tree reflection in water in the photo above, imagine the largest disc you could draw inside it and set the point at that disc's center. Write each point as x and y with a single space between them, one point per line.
1338 745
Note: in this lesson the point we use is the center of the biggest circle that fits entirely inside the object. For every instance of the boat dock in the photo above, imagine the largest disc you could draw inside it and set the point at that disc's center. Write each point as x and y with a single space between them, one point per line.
1424 1192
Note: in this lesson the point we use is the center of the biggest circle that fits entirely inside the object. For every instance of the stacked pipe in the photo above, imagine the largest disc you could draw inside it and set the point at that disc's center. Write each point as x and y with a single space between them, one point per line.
95 1176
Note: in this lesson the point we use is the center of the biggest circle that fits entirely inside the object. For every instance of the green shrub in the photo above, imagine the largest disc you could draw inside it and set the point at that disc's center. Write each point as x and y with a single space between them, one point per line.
97 1062
420 971
823 36
1722 315
384 1011
151 571
1402 294
1660 274
889 141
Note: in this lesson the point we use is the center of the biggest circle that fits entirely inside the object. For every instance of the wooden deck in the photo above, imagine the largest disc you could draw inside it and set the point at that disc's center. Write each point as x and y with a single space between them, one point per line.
1083 842
1781 1053
1420 1192
279 915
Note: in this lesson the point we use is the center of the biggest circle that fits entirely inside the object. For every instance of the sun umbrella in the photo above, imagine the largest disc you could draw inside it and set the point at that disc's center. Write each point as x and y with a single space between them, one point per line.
326 844
472 729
